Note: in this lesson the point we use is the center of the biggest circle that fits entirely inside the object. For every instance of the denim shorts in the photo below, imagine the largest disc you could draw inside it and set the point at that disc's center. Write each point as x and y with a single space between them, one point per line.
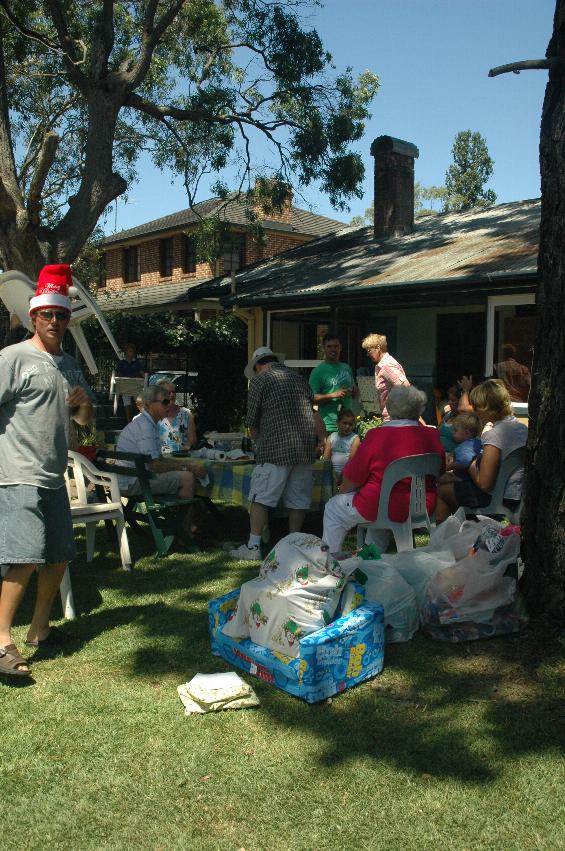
35 525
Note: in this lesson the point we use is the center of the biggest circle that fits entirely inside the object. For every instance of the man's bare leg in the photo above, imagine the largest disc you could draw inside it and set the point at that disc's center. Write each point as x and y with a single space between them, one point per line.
295 519
11 594
48 584
258 518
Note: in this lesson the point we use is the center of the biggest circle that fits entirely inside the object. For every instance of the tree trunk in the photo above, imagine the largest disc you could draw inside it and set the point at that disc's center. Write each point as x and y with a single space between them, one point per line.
544 521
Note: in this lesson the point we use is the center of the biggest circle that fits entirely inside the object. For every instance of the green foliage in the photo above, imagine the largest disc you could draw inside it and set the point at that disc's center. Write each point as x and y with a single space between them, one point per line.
466 177
216 349
431 194
366 423
92 85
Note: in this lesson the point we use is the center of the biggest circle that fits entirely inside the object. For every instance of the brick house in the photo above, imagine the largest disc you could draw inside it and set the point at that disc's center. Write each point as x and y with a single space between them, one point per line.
153 266
450 291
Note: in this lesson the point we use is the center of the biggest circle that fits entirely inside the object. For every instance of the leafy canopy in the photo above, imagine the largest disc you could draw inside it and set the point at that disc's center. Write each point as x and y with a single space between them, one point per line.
86 87
466 177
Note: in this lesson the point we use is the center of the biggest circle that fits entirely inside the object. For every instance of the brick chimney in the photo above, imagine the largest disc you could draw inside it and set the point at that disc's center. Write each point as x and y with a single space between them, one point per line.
394 186
265 209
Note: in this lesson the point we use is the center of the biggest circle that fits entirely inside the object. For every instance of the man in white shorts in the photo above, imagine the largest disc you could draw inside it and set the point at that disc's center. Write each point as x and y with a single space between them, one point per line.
281 420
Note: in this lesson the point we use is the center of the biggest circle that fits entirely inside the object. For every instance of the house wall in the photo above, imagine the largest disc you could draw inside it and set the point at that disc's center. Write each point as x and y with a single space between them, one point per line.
149 258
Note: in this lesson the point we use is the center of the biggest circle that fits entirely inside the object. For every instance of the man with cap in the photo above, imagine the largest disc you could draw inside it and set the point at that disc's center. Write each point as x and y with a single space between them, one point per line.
281 420
41 388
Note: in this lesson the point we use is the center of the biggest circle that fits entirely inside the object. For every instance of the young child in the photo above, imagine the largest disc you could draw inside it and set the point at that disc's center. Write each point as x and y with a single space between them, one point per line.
466 430
341 445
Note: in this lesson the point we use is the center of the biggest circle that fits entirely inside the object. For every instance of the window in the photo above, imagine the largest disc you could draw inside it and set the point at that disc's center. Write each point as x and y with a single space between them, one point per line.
234 253
511 326
131 264
188 255
166 257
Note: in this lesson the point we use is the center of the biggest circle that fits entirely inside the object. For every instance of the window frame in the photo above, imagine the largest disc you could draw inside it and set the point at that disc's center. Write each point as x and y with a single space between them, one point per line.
188 252
130 260
233 245
166 257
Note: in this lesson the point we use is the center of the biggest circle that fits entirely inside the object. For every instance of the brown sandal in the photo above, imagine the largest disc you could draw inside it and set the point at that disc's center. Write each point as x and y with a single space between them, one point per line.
10 658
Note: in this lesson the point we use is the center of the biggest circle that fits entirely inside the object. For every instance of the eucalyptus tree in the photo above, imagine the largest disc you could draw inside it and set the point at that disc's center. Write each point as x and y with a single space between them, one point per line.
86 86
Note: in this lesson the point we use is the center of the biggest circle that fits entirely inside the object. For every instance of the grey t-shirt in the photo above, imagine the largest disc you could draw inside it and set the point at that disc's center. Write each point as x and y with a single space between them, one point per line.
507 435
34 415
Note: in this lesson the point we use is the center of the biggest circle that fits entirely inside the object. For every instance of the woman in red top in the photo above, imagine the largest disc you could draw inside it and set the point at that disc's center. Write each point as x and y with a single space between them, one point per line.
358 496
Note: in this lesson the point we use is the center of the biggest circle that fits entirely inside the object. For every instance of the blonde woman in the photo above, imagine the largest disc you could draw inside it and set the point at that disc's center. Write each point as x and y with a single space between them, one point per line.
388 372
491 403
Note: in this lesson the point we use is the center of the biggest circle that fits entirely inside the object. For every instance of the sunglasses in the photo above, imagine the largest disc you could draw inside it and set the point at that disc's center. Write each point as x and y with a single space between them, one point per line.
163 401
48 315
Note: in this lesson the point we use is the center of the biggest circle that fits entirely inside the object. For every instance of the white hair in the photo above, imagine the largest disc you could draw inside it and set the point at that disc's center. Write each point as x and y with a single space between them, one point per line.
405 402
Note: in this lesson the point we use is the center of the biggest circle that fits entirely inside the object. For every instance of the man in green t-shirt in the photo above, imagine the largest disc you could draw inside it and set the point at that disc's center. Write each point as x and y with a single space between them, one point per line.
332 382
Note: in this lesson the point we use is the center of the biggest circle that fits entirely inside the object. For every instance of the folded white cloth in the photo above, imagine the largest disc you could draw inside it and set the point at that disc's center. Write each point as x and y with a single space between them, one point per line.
213 692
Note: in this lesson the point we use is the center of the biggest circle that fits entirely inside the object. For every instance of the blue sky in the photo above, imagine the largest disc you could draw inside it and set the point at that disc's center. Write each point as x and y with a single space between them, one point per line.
432 57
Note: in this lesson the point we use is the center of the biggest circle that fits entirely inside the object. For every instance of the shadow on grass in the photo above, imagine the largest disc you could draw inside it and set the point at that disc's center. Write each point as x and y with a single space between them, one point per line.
440 711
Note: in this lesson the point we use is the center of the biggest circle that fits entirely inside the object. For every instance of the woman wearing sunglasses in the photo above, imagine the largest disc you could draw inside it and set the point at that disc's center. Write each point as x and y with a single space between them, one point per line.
177 429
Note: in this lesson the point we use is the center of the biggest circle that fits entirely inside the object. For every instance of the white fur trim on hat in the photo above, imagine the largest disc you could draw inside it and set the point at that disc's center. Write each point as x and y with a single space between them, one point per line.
49 300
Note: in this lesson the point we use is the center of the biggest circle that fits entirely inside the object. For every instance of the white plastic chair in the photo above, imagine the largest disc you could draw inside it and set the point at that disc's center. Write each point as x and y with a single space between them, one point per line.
415 467
514 461
90 511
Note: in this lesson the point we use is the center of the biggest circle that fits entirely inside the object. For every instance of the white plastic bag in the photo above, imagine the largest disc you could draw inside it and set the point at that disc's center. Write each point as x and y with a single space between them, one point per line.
384 584
472 588
418 567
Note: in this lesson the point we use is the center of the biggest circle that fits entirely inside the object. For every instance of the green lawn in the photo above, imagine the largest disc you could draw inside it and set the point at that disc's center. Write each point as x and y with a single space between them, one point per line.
452 747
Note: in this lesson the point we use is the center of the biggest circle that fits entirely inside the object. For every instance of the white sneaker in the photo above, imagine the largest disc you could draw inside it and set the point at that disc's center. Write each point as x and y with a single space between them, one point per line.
245 553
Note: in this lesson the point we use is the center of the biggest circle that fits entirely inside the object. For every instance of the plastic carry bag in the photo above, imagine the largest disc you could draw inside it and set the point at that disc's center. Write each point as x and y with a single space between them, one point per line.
475 586
383 584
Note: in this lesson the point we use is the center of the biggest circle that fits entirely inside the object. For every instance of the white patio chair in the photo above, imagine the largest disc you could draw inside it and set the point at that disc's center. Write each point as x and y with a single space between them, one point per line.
415 467
88 509
514 461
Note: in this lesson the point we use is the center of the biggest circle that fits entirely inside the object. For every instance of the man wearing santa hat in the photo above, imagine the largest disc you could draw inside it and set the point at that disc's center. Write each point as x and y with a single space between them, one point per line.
41 388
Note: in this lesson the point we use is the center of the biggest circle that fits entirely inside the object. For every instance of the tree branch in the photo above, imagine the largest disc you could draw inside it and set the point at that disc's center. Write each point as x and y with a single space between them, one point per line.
46 158
152 34
527 65
25 31
10 194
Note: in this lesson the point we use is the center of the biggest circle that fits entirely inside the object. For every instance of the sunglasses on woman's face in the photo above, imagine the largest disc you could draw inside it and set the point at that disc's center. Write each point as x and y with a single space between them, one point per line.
48 315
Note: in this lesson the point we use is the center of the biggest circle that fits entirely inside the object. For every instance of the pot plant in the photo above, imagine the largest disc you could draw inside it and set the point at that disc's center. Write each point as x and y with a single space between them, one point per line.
87 440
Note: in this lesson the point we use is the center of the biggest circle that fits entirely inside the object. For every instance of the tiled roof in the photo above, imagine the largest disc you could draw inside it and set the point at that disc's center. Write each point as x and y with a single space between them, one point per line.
481 246
231 210
155 296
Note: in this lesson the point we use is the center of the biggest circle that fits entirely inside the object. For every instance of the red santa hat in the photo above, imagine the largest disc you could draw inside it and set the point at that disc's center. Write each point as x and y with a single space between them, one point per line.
54 285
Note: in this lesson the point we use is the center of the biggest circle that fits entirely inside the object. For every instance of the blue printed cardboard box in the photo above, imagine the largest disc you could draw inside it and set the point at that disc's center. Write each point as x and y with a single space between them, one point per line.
343 654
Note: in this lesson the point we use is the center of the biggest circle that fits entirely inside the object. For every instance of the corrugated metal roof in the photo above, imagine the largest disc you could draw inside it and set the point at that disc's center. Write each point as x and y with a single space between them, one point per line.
495 241
230 210
137 298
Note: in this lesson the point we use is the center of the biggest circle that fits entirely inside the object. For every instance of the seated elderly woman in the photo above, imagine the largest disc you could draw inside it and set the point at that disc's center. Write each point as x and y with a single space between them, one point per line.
491 402
177 429
358 496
